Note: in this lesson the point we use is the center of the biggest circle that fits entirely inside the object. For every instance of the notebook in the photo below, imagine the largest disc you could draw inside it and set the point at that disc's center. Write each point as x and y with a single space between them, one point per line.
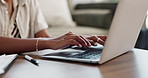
6 61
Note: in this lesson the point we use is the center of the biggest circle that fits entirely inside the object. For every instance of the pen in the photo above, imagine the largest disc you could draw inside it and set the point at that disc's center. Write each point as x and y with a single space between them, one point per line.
31 60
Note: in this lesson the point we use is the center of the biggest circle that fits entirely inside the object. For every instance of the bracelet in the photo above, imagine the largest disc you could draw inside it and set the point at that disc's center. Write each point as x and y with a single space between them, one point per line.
37 43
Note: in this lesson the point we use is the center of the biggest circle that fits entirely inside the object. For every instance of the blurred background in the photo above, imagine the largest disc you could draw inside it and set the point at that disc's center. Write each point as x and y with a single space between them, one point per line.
84 17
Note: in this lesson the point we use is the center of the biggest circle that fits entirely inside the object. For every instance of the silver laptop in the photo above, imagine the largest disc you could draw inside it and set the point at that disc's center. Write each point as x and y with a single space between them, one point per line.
123 34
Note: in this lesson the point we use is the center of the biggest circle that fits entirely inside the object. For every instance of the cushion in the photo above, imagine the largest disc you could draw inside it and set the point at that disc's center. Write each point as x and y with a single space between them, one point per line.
100 18
56 12
58 31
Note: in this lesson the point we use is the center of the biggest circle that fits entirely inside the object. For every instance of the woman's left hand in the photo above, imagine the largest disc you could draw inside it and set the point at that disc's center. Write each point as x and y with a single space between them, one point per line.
97 39
93 39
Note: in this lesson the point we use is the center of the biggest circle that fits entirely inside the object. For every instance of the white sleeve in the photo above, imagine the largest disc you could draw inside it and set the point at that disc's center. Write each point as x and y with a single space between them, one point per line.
39 20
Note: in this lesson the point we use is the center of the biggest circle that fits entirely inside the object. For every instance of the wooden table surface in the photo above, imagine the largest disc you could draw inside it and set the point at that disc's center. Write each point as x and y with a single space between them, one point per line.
133 64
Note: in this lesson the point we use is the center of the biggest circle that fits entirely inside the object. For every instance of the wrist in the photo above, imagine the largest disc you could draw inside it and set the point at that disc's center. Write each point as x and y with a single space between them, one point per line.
44 43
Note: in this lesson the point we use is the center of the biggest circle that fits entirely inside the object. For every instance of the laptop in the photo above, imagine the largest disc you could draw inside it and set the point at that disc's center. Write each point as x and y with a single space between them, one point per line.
126 25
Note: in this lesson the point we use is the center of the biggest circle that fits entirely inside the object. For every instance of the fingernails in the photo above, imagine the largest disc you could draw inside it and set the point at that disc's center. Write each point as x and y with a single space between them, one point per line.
80 45
95 44
98 39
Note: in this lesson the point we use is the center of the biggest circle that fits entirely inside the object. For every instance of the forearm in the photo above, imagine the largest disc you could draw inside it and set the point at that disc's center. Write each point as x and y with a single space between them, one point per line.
15 45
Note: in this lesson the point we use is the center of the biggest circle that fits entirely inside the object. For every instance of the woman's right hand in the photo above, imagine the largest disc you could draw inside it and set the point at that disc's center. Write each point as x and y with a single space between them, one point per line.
67 40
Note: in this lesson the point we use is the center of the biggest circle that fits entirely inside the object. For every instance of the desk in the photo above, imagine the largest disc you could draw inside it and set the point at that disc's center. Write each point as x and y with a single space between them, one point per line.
133 64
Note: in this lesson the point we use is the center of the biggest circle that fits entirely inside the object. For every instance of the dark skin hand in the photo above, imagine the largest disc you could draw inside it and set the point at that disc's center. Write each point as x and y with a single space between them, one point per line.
70 39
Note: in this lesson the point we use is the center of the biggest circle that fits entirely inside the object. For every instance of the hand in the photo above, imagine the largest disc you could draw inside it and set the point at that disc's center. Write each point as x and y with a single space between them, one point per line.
67 40
97 39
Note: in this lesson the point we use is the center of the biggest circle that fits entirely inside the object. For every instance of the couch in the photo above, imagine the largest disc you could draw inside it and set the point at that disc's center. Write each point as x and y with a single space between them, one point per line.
99 14
59 18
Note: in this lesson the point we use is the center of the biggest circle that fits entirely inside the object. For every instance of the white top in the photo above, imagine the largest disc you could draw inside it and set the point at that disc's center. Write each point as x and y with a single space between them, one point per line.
29 18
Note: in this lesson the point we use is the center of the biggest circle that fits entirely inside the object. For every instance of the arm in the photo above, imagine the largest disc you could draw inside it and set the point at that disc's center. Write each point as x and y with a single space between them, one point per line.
14 45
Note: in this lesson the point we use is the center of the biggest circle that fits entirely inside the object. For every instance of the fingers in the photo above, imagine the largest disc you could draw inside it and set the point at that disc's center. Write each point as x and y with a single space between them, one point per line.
99 39
68 43
63 44
82 40
70 33
102 37
74 42
70 39
86 41
92 43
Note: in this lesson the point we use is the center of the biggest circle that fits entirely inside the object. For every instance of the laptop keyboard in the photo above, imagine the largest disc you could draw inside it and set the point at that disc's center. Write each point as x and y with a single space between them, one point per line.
80 52
90 53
